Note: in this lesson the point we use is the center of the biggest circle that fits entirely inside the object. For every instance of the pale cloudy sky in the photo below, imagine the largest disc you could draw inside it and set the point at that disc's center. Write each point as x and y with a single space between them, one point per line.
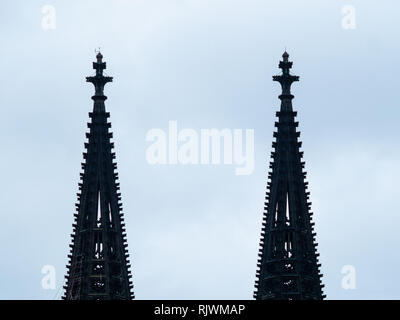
193 231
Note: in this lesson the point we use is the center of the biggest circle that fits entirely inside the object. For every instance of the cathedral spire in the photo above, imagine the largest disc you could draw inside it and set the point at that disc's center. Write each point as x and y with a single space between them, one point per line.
288 265
98 267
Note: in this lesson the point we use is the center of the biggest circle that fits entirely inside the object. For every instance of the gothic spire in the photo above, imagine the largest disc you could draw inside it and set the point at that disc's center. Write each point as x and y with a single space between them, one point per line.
288 265
98 267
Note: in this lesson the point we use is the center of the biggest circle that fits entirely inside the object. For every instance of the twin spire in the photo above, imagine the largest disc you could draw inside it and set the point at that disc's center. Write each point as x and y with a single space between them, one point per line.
287 267
99 267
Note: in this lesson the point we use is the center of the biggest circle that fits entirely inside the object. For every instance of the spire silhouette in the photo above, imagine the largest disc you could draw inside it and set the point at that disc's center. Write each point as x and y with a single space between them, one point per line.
288 267
98 267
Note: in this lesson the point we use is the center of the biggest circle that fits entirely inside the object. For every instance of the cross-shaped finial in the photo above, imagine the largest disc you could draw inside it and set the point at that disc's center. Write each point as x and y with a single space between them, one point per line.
99 80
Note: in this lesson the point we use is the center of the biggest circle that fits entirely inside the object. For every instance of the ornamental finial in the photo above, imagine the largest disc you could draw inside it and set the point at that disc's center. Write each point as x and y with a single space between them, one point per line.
285 56
99 56
285 65
99 80
285 79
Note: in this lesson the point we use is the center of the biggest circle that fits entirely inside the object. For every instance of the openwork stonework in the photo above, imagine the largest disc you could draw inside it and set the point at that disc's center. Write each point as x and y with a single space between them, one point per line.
98 267
288 265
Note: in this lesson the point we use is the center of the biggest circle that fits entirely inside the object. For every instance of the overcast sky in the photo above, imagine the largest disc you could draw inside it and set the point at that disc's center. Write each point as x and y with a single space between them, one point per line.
193 231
